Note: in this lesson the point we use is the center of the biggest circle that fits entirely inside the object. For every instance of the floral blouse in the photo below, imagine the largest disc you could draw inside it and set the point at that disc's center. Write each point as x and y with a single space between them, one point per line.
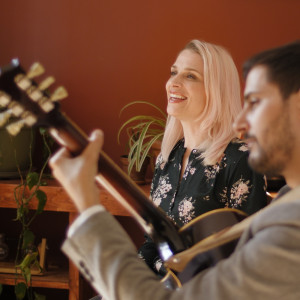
229 183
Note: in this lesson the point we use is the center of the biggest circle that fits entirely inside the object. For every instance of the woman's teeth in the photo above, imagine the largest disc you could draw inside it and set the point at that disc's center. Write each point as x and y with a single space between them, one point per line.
175 97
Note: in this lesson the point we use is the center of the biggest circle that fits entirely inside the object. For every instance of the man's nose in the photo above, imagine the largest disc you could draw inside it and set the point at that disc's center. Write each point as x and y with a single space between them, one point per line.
241 124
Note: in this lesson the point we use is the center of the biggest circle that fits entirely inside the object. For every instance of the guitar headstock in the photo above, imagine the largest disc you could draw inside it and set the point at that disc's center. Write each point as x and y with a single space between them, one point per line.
26 99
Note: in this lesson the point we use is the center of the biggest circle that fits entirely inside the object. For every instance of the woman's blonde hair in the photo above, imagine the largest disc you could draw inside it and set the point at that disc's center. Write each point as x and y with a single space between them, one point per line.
223 103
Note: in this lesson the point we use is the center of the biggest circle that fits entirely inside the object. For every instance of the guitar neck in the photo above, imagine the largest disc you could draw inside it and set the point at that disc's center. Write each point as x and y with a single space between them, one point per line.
120 186
30 101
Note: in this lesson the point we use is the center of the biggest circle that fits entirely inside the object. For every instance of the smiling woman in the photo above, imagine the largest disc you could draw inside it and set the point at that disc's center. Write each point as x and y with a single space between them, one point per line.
202 165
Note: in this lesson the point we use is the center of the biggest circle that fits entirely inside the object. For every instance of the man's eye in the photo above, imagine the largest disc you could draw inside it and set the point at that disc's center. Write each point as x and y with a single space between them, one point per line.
173 73
253 102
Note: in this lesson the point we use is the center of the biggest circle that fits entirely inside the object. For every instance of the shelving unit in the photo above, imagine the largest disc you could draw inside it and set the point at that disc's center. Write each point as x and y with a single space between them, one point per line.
57 201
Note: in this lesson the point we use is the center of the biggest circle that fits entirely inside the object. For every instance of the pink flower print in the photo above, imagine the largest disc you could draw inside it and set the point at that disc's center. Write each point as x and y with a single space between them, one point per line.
192 171
186 210
161 192
239 192
157 201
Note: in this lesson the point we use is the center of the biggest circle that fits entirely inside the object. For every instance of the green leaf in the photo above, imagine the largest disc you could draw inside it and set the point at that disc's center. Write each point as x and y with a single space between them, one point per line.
20 290
42 130
27 261
32 179
42 197
20 212
28 238
27 274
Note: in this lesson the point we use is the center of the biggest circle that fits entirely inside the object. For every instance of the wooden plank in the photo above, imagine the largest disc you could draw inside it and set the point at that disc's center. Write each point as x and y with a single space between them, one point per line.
57 279
57 198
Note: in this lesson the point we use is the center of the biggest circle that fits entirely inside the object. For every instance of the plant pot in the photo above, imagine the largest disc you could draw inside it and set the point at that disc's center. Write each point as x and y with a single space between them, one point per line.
137 177
15 151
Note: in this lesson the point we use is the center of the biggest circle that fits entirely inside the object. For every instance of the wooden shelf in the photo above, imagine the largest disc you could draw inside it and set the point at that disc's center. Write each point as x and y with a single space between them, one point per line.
56 279
57 201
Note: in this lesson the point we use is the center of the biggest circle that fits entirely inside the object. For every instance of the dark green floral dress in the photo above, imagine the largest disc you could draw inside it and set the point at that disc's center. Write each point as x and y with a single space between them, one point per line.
229 183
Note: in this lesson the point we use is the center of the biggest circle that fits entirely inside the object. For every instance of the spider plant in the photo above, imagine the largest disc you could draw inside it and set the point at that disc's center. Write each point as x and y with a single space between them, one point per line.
142 131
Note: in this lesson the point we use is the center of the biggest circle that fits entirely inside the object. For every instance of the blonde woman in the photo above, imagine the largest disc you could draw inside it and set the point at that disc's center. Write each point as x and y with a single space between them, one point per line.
202 165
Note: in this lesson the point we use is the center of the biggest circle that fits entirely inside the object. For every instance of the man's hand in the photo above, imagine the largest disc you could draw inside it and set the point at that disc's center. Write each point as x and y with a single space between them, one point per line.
77 174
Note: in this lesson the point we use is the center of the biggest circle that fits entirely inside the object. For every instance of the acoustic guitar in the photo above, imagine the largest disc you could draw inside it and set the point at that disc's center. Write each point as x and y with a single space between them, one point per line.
22 96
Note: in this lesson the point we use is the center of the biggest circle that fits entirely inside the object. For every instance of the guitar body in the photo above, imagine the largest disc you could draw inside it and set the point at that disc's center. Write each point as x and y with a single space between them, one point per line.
196 231
33 104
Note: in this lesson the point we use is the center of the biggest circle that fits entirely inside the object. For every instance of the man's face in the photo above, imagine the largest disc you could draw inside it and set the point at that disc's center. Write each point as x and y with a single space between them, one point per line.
267 124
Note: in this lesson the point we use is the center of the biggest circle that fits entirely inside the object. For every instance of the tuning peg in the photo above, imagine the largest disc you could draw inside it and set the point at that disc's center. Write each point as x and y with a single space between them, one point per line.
35 70
4 99
4 116
46 83
59 93
22 81
15 128
34 93
46 105
29 118
16 108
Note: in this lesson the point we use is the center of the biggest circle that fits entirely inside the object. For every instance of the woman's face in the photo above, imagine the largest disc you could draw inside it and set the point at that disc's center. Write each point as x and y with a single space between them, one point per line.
185 88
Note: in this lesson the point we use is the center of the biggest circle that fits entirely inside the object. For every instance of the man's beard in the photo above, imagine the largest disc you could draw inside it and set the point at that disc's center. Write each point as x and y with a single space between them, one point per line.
272 159
268 163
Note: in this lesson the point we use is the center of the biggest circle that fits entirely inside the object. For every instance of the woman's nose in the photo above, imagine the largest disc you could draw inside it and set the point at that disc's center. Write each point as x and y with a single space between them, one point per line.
173 82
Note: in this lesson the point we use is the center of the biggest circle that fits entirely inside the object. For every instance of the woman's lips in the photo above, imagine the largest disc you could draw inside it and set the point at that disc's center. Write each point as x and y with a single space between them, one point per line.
173 98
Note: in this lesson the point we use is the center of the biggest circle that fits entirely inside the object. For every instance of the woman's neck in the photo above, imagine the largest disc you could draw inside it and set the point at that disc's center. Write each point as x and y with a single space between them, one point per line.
193 136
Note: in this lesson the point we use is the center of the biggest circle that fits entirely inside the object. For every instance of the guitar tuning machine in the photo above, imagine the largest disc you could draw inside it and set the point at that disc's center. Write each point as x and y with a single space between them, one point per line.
22 81
29 118
46 105
35 70
15 128
4 99
46 83
34 93
16 108
59 94
4 116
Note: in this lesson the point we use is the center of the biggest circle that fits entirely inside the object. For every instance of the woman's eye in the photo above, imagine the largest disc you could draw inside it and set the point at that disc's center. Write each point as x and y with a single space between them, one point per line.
173 73
191 76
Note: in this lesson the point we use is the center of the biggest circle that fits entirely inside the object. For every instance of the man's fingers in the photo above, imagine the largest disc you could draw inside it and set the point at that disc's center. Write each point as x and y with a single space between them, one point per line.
94 147
60 154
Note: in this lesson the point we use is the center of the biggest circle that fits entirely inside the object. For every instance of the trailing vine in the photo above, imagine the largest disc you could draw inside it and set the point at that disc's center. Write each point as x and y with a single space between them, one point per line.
27 251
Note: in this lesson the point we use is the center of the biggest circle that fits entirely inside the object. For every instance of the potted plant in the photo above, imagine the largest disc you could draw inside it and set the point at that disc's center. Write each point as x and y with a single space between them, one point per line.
143 131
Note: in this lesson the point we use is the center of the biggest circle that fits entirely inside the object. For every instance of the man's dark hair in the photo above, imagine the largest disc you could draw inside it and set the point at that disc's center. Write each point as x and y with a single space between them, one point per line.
283 67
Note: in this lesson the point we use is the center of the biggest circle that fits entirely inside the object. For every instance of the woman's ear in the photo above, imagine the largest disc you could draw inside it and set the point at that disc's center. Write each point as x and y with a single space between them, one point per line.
297 96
